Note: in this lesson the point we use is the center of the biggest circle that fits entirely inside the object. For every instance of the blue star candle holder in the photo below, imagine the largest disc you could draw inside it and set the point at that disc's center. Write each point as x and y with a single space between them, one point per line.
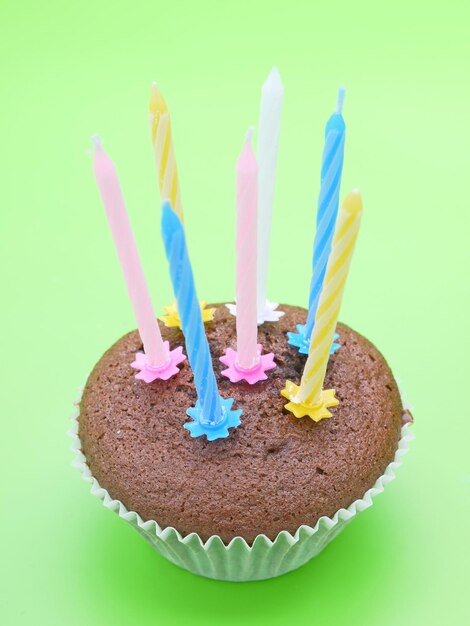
212 415
302 342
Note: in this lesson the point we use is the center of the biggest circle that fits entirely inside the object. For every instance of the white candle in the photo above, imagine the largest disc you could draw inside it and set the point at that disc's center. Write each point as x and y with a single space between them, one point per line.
268 141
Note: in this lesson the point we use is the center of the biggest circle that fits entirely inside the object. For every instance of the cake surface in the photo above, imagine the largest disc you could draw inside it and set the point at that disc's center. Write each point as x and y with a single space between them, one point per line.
274 472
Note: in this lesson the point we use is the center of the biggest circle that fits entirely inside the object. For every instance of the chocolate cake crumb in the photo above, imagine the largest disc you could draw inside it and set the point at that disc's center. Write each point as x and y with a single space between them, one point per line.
274 472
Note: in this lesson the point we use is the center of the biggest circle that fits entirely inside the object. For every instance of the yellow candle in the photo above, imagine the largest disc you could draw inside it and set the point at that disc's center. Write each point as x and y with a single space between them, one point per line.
309 398
167 172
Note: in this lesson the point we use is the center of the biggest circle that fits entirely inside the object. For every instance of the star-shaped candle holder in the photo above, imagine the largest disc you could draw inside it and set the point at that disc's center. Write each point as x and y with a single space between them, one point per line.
197 428
300 341
251 375
268 314
171 319
301 409
148 373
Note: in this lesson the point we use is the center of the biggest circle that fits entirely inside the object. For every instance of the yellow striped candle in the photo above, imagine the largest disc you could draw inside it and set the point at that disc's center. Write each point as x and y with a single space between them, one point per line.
309 398
167 172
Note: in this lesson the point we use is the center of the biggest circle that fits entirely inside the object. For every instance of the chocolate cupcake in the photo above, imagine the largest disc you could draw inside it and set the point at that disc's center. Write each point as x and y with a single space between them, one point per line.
273 478
251 486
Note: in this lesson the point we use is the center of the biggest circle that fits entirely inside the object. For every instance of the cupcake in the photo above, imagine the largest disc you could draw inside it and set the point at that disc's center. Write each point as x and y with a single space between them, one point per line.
273 481
241 447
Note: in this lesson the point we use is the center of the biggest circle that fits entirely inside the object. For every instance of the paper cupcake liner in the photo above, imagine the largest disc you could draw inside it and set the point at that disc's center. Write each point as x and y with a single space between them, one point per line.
239 561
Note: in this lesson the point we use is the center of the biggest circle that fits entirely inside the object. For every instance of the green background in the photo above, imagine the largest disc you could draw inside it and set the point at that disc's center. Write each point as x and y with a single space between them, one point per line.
69 70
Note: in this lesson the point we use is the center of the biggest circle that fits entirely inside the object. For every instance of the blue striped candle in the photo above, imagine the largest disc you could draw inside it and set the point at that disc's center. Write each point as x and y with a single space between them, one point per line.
212 415
328 203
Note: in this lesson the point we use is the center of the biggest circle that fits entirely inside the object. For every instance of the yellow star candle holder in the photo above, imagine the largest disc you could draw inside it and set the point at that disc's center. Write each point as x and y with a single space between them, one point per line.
302 409
171 319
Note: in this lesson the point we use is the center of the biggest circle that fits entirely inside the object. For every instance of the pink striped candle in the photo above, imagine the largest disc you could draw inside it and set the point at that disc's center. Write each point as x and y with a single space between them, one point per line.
247 201
247 363
159 361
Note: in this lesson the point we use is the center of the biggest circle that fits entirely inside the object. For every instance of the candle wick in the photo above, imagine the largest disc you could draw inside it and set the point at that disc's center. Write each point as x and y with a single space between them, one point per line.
340 101
96 141
249 135
154 90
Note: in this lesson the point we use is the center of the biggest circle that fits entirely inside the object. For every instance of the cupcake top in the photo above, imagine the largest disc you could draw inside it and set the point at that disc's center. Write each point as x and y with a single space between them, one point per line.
274 472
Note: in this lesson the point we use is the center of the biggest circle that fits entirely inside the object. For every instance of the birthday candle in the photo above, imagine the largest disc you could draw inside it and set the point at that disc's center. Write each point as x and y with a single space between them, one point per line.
108 183
268 141
197 346
247 198
330 300
162 140
328 201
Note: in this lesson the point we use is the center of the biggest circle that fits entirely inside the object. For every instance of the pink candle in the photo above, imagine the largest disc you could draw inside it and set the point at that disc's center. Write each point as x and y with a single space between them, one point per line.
247 198
106 177
247 362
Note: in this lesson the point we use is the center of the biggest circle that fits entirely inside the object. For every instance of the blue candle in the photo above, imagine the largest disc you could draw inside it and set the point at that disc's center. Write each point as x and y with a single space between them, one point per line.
328 203
212 414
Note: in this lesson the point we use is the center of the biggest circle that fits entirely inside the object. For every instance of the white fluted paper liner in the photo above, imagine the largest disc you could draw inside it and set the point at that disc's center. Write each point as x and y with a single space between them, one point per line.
239 561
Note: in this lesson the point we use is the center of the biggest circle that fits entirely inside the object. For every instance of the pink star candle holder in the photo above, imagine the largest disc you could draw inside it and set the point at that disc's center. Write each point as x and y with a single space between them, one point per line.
148 373
251 375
